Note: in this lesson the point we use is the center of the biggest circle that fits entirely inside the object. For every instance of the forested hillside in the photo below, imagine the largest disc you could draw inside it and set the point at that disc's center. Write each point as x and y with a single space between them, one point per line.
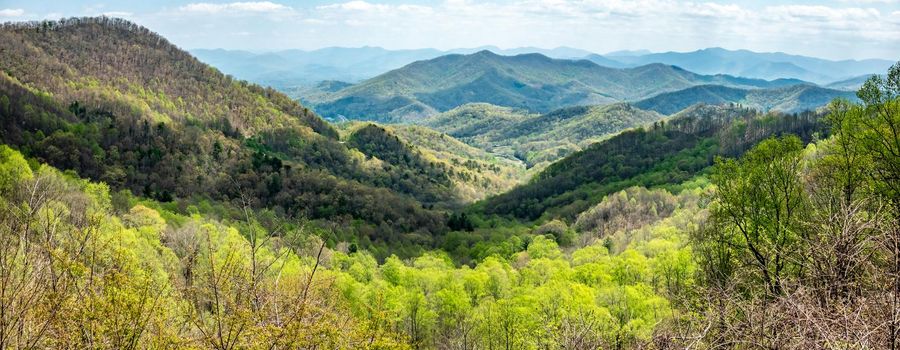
476 172
537 139
429 158
666 153
117 103
531 81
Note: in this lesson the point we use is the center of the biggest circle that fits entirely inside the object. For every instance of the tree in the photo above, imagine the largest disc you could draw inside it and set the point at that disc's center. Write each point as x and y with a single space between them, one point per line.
876 133
758 209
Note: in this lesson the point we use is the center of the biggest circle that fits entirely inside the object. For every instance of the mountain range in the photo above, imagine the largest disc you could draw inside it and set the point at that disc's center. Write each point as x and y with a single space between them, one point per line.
761 65
532 82
292 68
114 102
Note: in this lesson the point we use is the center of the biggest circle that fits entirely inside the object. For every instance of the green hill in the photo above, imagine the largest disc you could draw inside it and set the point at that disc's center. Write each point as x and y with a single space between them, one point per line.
474 119
666 153
532 81
472 173
790 99
537 139
117 103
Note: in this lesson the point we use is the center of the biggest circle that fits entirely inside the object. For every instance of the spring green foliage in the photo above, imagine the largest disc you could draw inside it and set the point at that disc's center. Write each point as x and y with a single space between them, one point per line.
160 279
475 173
273 233
666 153
760 209
78 272
802 244
163 125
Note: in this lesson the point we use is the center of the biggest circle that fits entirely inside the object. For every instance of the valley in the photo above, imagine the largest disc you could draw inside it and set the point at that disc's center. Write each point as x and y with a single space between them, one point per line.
487 198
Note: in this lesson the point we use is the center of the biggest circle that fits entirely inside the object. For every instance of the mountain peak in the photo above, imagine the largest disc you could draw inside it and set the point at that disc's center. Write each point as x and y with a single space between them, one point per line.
485 52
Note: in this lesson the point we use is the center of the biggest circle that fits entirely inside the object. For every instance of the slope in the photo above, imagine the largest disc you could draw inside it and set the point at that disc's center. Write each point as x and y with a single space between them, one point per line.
667 153
472 172
537 139
117 103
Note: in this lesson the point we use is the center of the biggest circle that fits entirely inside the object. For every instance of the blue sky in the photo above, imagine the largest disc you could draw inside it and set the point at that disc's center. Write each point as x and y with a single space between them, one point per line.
837 29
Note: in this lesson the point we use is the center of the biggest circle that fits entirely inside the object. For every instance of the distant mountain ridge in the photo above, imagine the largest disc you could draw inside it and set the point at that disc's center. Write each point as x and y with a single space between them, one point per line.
530 81
762 65
790 99
290 68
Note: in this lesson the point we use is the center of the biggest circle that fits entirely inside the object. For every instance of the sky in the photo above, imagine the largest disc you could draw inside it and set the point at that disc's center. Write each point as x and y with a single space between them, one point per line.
833 29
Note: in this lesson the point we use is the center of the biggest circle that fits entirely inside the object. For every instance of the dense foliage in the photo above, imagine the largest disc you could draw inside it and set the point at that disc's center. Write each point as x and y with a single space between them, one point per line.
666 153
537 139
802 247
171 226
145 127
82 268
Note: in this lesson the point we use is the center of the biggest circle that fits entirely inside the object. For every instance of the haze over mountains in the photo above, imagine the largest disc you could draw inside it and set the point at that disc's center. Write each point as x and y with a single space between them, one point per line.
531 82
290 68
298 67
768 65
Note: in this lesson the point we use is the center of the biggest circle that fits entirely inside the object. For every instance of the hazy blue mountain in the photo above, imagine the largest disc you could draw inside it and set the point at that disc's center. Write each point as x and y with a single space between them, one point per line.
788 99
559 52
532 82
851 84
763 65
298 68
606 61
628 53
292 68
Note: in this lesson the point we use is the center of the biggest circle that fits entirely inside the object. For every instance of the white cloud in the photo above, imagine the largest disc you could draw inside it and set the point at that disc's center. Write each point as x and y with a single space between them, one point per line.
822 13
11 12
364 6
121 14
235 7
835 29
871 1
355 6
